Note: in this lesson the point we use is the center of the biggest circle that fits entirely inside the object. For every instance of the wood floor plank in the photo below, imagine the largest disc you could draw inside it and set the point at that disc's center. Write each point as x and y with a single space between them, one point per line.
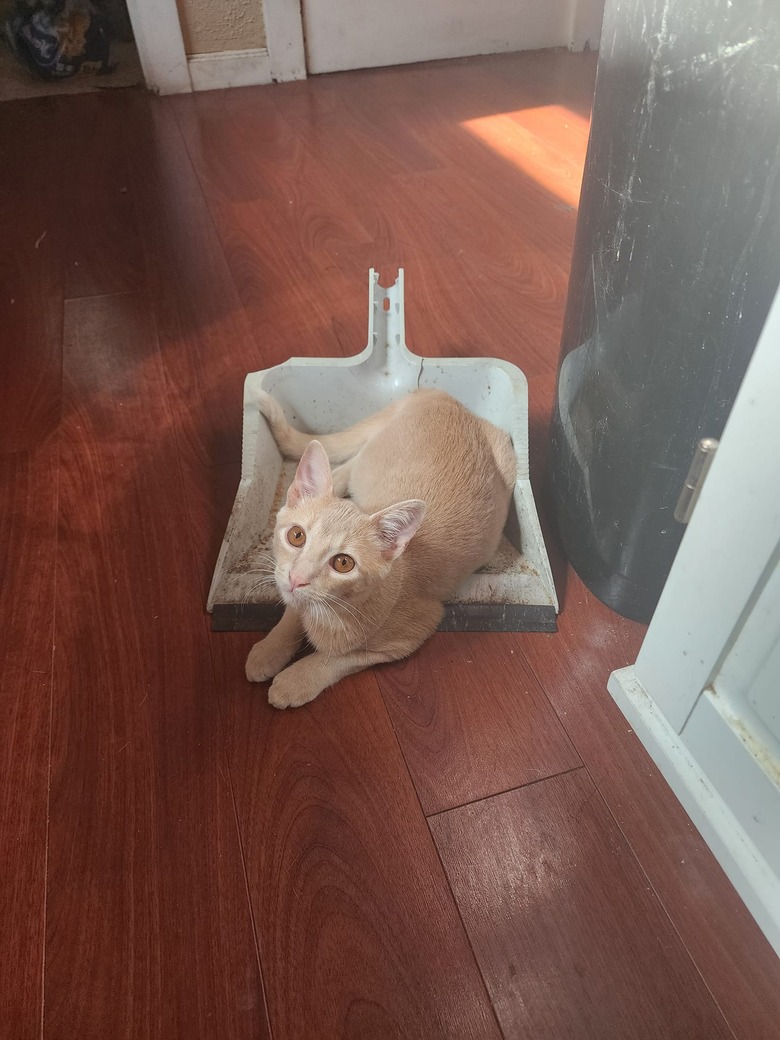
206 342
103 252
471 720
31 322
28 518
494 232
31 276
298 235
338 116
209 494
531 80
404 991
735 960
569 936
235 161
292 295
451 312
149 931
282 225
359 935
258 213
470 127
30 400
466 302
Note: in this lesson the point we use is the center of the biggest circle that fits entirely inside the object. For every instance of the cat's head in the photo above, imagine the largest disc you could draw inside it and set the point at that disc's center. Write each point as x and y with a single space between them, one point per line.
326 548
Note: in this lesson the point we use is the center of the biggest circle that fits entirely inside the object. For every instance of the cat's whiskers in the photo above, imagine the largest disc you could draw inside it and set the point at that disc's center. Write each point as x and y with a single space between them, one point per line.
329 608
265 581
263 554
352 610
321 621
322 611
357 615
262 563
262 574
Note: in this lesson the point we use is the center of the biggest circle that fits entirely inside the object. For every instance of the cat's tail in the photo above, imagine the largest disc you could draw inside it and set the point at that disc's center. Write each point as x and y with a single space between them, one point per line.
340 447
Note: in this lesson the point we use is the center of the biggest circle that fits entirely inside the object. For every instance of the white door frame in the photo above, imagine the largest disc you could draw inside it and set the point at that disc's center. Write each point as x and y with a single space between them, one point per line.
284 39
157 32
725 561
169 70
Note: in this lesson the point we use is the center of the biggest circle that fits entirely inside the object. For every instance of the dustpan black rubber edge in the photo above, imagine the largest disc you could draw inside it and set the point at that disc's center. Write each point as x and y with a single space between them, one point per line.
458 617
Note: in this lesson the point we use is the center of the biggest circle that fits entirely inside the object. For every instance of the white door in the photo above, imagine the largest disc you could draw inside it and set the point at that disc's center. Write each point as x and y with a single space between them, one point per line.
704 695
360 34
733 730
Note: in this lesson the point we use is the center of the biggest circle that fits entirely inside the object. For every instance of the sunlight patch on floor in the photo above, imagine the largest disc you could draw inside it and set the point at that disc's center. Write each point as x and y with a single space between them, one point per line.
511 135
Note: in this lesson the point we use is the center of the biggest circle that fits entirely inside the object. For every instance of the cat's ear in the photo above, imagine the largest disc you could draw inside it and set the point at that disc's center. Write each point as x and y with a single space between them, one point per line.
312 478
397 524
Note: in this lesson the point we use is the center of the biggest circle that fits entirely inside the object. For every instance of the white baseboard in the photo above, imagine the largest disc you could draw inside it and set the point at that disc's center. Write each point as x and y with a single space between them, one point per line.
745 867
229 69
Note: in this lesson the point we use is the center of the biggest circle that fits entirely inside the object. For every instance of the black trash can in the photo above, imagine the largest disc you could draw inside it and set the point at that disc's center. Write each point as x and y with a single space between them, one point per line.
676 262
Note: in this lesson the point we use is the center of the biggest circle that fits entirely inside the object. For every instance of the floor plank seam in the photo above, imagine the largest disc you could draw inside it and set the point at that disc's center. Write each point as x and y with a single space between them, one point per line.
466 933
105 295
223 742
508 790
661 903
174 425
597 788
630 847
239 835
214 227
51 703
381 695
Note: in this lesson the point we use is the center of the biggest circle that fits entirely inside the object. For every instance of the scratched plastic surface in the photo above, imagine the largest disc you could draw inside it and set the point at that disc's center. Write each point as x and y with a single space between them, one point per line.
676 260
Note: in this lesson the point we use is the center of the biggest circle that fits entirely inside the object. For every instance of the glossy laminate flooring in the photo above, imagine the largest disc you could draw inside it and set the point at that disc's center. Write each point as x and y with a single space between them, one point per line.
471 843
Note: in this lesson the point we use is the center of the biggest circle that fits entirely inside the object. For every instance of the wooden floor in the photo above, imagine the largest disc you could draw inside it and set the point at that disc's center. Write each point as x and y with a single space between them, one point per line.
471 843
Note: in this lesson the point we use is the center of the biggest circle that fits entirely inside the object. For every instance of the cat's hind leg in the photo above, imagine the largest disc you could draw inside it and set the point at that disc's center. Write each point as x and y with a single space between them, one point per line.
341 477
268 657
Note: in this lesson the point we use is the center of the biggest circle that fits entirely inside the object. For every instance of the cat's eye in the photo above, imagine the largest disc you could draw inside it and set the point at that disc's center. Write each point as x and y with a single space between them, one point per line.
296 536
342 563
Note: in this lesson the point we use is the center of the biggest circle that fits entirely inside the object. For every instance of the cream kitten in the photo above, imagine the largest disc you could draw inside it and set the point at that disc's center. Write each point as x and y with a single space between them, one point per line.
364 578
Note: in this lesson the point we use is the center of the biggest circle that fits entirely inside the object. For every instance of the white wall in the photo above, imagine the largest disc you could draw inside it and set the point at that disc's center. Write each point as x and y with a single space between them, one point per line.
350 34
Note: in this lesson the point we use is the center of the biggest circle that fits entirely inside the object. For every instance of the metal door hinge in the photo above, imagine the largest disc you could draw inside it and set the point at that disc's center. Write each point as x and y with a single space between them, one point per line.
700 466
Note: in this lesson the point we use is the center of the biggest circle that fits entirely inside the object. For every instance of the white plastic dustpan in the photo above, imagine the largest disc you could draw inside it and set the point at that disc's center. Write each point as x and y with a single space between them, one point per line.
514 593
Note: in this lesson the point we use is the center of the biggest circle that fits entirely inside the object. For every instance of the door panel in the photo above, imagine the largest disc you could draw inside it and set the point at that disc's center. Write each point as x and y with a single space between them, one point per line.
359 34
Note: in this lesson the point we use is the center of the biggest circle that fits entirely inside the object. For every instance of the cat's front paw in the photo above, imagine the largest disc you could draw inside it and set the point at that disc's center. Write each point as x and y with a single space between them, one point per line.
262 663
290 690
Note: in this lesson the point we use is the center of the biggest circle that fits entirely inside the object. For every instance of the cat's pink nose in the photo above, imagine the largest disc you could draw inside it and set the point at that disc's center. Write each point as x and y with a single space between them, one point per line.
297 583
